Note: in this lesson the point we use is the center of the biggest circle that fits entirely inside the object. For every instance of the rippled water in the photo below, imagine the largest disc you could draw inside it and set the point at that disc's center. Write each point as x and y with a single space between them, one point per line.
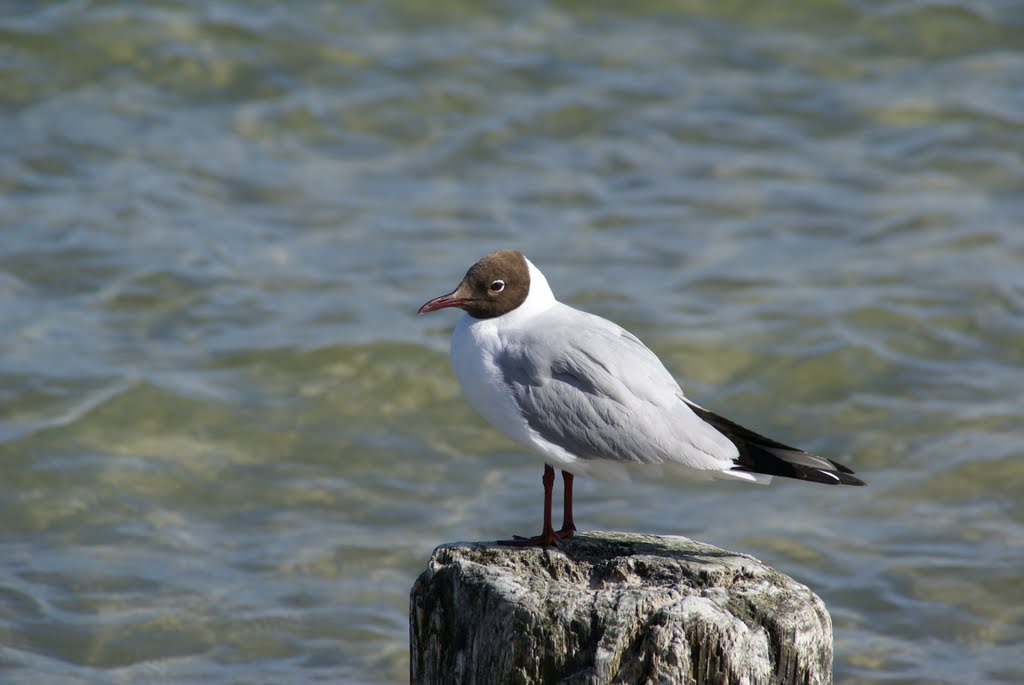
228 445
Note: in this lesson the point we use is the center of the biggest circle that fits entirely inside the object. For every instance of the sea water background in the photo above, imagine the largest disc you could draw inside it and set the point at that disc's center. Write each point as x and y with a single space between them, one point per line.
228 445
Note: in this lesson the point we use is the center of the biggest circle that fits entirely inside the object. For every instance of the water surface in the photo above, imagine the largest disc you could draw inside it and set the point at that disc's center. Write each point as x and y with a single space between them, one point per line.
228 445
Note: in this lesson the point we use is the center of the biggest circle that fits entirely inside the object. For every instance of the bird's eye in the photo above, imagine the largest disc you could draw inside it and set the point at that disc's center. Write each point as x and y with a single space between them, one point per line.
497 286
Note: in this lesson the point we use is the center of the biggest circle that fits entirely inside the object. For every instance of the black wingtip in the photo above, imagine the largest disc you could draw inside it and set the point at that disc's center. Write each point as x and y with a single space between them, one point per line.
847 478
774 466
839 475
844 477
759 454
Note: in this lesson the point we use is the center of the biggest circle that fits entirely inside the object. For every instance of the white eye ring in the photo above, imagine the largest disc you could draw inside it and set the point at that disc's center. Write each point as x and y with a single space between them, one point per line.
497 286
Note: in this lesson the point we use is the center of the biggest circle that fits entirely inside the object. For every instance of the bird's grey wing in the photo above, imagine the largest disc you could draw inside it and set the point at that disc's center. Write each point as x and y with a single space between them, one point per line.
594 390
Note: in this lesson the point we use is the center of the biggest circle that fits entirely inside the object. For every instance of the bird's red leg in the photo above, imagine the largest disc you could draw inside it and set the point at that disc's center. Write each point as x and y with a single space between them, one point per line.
568 526
547 536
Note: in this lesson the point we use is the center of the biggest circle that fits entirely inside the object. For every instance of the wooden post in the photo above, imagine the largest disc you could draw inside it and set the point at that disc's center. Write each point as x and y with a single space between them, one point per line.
613 608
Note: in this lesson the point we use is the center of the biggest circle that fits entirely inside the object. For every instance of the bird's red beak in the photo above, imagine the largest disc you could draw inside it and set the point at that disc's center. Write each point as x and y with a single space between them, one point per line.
449 300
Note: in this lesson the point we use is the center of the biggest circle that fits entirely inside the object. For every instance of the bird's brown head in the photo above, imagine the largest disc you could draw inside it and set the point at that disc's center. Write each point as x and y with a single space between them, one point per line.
495 285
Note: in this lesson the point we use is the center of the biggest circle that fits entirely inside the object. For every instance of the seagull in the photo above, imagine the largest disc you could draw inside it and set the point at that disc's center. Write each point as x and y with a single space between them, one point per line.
588 397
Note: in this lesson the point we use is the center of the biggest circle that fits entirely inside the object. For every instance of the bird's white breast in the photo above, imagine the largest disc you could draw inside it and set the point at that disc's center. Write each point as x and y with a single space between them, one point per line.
476 346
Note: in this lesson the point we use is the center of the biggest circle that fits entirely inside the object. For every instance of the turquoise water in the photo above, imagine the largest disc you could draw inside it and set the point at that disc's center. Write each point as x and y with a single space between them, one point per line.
228 445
